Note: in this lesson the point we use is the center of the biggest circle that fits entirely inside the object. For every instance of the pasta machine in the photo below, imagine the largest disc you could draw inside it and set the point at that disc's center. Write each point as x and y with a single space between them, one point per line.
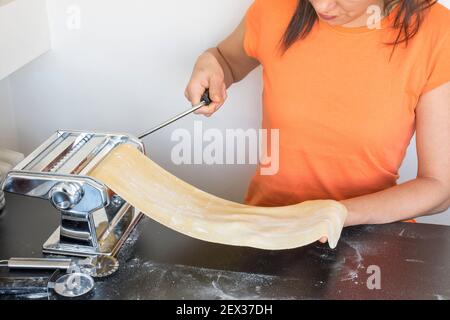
93 219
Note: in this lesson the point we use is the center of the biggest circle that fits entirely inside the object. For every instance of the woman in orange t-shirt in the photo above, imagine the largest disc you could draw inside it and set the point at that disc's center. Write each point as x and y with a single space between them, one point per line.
346 83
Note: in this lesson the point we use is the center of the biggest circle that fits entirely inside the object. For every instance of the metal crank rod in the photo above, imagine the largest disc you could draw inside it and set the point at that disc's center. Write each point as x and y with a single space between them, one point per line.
205 101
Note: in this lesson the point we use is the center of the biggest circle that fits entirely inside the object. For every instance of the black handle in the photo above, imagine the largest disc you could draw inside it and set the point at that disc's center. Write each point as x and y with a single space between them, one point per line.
205 98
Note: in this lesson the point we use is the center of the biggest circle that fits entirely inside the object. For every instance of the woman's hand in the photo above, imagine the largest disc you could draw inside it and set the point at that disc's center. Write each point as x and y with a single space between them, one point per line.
207 74
218 68
349 221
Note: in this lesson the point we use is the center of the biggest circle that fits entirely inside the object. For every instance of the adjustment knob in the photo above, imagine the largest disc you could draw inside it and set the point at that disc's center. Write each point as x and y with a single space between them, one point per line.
66 195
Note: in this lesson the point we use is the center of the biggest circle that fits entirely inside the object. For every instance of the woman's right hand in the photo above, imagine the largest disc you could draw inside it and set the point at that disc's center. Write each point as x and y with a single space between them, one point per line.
207 74
217 69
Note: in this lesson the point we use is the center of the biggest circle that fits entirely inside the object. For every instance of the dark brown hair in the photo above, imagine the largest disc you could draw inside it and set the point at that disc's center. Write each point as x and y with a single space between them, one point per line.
407 20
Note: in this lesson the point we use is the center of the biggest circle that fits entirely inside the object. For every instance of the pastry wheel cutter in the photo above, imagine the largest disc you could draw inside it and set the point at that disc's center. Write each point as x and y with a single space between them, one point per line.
78 279
96 266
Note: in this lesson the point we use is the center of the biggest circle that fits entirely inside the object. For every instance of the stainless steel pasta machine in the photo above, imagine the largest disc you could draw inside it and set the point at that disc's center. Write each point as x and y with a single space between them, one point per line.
94 220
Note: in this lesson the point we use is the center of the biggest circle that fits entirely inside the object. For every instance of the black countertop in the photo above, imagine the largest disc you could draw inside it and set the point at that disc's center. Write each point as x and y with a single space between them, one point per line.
158 263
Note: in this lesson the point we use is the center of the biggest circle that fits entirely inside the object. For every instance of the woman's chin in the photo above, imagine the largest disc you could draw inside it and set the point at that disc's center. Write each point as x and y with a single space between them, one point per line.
333 22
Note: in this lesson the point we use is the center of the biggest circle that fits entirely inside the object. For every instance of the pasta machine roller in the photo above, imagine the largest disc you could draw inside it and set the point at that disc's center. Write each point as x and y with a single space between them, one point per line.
94 220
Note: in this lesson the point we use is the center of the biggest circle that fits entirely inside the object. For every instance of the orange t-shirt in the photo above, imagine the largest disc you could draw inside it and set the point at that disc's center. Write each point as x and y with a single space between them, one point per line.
346 114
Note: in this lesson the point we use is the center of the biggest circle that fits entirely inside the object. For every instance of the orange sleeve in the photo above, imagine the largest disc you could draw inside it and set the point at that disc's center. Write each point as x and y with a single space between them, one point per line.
252 28
439 70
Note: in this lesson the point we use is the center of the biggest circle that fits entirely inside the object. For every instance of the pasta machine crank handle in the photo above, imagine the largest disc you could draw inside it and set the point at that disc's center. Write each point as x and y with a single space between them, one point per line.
205 101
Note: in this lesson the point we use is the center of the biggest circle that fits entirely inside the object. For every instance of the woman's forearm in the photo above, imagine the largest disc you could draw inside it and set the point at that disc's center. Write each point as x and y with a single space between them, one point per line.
227 70
415 198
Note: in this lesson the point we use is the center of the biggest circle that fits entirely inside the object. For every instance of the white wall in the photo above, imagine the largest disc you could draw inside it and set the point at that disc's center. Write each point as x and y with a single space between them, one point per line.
125 69
24 33
8 133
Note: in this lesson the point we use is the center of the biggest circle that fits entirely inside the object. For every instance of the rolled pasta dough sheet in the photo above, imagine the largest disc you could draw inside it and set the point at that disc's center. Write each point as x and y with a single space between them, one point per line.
182 207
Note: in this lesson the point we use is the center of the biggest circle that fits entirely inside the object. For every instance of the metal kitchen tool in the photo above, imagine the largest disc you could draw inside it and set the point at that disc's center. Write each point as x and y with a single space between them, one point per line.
94 220
21 285
38 263
100 266
67 285
97 265
205 101
77 281
73 285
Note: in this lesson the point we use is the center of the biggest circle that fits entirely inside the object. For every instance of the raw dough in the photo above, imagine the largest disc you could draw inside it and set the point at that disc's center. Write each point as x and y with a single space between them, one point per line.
186 209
